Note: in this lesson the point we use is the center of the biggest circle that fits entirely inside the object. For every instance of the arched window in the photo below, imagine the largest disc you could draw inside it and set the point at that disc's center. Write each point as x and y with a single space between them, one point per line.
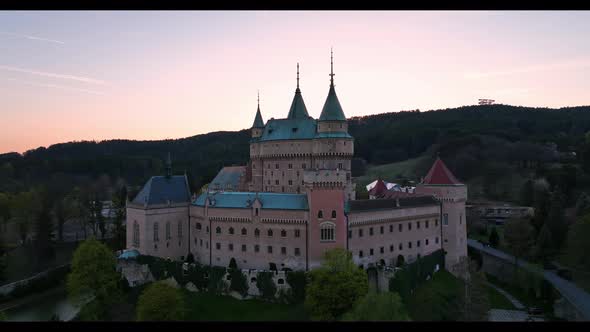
320 214
256 248
198 226
333 213
283 233
327 231
257 232
244 231
156 231
168 236
269 232
218 230
135 234
231 231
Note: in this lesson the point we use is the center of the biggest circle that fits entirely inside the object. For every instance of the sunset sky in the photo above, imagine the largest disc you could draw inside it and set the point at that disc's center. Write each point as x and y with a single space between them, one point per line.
68 76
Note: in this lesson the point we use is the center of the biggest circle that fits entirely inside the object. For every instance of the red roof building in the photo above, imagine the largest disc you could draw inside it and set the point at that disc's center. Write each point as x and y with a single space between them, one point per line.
440 174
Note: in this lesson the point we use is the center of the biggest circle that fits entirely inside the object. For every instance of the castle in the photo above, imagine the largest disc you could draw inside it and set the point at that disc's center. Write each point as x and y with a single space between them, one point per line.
295 200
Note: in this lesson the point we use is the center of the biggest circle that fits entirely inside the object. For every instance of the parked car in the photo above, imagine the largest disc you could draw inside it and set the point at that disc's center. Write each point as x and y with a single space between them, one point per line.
565 274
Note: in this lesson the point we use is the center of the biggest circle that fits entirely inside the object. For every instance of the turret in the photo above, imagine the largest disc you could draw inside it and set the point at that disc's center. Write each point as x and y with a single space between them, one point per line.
298 109
332 118
258 125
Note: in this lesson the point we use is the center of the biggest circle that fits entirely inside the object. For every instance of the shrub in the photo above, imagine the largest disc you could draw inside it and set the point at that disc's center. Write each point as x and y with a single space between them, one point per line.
266 285
297 281
216 283
400 261
238 282
233 264
160 302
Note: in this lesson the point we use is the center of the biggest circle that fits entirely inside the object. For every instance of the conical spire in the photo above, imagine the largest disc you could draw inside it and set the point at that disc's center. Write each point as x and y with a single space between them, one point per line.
332 111
298 109
258 122
168 166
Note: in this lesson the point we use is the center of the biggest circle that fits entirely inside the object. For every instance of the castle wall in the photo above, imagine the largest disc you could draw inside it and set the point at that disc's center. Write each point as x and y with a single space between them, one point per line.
379 231
175 247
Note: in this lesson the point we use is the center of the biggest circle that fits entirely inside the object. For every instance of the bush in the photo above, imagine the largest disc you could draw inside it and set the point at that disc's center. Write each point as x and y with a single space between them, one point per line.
239 283
216 283
160 302
266 285
297 281
233 264
400 261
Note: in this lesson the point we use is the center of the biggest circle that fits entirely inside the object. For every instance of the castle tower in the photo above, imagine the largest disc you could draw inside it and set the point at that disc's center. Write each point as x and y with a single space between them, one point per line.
254 168
452 194
327 224
298 109
335 147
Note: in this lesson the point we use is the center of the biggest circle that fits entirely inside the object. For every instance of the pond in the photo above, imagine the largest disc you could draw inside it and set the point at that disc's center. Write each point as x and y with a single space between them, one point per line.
52 302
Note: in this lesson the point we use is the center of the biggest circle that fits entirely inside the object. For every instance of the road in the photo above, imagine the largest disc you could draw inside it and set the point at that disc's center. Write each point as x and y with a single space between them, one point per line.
575 295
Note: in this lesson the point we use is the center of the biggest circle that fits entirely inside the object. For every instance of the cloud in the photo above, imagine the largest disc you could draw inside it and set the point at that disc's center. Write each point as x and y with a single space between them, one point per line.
569 64
55 86
33 37
53 75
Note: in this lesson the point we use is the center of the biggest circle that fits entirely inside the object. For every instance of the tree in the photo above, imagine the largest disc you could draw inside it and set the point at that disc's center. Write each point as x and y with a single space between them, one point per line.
24 211
583 205
266 285
93 273
494 238
160 302
477 304
544 247
527 193
43 234
232 264
335 286
578 245
2 316
239 283
518 234
374 306
119 200
555 219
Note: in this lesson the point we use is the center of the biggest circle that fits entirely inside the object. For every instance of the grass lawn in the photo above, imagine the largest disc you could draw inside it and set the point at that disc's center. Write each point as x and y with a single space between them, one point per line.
498 301
210 307
390 172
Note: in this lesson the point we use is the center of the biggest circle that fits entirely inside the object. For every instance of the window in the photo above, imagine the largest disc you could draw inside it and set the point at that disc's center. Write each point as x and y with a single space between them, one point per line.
231 231
401 246
269 249
370 252
391 248
179 230
390 228
218 246
269 232
253 166
243 247
218 230
426 241
320 214
349 234
268 166
333 214
297 233
244 231
297 252
256 248
256 212
436 240
230 247
256 232
283 250
409 226
277 166
297 173
340 166
370 231
290 166
168 236
381 229
360 253
418 243
198 226
327 231
435 222
409 245
290 182
156 235
207 245
399 227
445 219
460 218
303 166
283 233
135 234
427 222
417 224
272 173
200 242
276 182
381 250
283 188
360 233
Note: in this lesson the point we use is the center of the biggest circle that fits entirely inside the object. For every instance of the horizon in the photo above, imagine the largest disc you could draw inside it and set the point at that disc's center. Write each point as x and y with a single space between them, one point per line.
95 76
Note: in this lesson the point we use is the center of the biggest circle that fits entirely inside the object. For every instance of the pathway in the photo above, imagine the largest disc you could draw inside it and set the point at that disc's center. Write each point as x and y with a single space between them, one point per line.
517 304
575 295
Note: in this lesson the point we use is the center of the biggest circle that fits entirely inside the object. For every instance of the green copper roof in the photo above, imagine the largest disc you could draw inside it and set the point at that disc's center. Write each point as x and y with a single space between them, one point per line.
333 135
244 200
284 129
332 109
298 109
258 122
